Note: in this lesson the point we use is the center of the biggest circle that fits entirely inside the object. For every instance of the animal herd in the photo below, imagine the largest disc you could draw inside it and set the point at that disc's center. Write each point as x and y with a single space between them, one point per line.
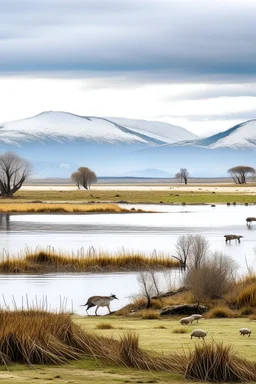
200 333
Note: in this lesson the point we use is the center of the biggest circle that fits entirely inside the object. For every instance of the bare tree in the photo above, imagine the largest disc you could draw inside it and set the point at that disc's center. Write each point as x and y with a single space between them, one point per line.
84 177
183 175
241 172
76 177
199 251
14 170
191 250
149 285
214 277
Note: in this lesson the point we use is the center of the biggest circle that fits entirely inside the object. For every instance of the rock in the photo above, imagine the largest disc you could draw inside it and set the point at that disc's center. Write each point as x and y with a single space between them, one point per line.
183 309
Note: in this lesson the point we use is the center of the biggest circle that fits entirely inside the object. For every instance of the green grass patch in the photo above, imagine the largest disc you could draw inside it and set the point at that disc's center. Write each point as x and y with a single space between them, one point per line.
241 196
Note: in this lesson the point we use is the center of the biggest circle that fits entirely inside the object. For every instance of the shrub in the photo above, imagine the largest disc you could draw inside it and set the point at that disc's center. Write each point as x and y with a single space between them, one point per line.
246 311
180 330
104 326
213 279
220 312
150 315
247 297
218 363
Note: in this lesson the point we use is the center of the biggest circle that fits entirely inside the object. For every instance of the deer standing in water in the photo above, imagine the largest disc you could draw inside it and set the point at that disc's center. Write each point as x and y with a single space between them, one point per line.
232 237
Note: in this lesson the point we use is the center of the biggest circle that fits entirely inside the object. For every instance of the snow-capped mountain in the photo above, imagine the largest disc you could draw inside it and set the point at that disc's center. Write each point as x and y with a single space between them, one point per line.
61 126
57 143
241 136
159 130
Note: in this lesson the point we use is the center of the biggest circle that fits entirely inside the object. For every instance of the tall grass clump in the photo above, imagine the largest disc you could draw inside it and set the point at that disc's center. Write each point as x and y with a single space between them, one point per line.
247 296
62 208
41 337
221 312
48 260
218 363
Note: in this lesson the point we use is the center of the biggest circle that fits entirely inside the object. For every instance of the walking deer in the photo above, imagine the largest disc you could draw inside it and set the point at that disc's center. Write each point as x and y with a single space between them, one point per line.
232 237
99 301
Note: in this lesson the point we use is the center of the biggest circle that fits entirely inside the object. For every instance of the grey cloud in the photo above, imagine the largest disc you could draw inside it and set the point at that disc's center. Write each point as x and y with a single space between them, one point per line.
216 91
242 116
160 40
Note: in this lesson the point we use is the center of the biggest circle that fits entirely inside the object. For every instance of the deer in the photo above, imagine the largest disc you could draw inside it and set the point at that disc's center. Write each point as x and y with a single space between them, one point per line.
249 220
99 301
232 237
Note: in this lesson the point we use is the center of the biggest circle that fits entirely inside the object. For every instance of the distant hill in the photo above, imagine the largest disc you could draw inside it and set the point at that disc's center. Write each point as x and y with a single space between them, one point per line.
57 143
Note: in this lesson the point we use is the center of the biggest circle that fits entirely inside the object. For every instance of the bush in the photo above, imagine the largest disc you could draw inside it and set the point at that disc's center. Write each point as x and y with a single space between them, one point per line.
247 297
180 330
218 363
220 312
213 279
104 326
150 315
246 311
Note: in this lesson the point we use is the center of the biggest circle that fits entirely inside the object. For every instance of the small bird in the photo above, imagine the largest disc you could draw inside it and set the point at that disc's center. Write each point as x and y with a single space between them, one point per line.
99 301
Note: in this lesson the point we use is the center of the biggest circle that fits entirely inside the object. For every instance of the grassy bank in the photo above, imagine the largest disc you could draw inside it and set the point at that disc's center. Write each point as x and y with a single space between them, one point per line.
7 207
46 261
168 197
130 350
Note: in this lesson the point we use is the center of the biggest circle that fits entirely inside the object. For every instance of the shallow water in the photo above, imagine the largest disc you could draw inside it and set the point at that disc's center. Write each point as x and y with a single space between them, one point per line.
145 232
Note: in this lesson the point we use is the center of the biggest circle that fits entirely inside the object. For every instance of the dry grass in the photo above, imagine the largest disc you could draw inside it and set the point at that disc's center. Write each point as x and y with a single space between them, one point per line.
104 326
218 363
49 260
39 337
220 312
63 208
149 314
243 292
181 330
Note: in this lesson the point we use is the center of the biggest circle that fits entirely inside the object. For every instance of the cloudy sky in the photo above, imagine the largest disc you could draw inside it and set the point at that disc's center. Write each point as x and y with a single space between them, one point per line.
189 63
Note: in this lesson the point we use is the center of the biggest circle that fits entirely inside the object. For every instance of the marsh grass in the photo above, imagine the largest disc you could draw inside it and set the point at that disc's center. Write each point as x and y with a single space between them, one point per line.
243 292
218 363
49 260
40 337
64 208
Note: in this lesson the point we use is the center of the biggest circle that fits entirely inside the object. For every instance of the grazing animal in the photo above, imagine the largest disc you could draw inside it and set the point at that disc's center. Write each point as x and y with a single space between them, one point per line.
249 220
245 331
197 317
99 301
232 237
187 320
200 333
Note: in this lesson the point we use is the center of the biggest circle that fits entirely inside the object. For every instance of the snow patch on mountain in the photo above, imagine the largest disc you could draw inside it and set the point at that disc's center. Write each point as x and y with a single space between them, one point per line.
61 126
242 136
160 130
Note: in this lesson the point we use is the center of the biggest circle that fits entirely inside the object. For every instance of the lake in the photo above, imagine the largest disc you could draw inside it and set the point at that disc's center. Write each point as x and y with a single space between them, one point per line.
147 232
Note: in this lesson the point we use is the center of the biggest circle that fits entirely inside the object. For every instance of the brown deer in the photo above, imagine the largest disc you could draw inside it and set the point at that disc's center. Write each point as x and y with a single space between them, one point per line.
249 220
232 237
99 301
